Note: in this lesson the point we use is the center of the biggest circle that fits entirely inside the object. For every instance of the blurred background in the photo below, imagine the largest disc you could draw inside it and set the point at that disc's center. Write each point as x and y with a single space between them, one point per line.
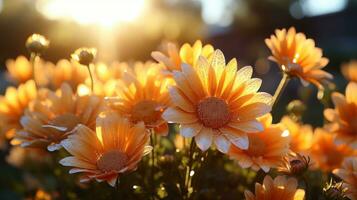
128 30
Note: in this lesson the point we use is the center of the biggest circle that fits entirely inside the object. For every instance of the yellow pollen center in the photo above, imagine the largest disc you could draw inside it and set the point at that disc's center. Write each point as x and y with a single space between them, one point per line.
213 112
257 147
112 160
147 111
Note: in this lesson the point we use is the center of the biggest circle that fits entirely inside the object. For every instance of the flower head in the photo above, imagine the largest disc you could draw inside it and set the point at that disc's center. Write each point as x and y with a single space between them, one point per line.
84 56
13 105
20 71
37 44
280 188
301 135
325 153
143 96
295 165
343 117
348 174
47 122
187 54
266 149
349 70
114 148
298 56
214 102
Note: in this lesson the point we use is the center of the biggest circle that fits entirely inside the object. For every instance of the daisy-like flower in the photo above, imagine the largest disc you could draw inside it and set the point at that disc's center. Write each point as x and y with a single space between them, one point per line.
266 149
295 165
68 72
343 117
13 105
280 188
298 56
49 121
114 148
20 71
187 54
325 153
349 70
300 134
348 173
214 102
143 96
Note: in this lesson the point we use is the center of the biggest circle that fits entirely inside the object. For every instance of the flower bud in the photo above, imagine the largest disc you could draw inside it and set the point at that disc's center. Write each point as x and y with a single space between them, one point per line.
37 44
84 56
296 108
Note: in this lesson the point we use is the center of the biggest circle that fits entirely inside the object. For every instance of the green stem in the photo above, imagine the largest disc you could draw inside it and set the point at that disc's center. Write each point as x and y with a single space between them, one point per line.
152 142
189 169
284 81
33 58
91 78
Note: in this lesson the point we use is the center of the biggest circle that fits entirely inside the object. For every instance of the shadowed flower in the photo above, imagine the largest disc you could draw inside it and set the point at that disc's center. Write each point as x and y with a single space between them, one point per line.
280 188
114 148
48 122
188 54
349 70
348 173
325 153
266 149
343 117
295 165
214 102
143 96
301 135
13 105
298 56
20 71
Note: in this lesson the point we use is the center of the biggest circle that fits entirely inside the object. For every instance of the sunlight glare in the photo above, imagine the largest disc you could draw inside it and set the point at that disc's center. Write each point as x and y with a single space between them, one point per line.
101 12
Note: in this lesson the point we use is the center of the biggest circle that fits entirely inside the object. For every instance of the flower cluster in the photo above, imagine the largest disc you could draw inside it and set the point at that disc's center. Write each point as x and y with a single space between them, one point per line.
103 117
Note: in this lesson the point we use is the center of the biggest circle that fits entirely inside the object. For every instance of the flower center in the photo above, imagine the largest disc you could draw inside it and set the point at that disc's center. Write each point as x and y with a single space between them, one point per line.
256 147
213 112
112 160
147 111
297 166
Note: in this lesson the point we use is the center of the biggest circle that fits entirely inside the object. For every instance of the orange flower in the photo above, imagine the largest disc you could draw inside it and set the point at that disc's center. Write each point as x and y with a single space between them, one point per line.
214 102
266 149
298 56
49 121
280 188
325 153
68 72
105 79
13 105
143 96
20 70
116 147
188 54
349 70
348 173
301 135
343 117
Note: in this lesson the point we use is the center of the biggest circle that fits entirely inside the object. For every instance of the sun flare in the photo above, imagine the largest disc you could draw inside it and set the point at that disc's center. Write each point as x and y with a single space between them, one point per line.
105 13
